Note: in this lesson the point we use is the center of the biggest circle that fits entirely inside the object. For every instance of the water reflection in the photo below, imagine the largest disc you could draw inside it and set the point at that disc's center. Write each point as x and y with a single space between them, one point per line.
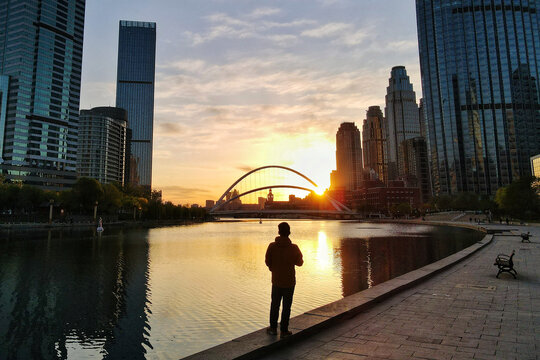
80 295
370 261
324 252
72 294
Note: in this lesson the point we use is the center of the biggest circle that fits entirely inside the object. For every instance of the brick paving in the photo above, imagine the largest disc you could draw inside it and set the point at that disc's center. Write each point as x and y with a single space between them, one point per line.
464 312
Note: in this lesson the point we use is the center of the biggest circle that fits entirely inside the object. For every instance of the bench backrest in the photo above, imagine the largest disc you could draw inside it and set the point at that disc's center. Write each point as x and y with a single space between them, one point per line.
510 261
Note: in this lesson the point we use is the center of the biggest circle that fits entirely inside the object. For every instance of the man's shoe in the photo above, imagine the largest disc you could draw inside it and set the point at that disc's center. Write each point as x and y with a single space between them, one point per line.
285 333
271 331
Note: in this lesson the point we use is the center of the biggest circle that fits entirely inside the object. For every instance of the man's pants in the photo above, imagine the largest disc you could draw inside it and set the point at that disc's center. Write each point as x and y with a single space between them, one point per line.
277 294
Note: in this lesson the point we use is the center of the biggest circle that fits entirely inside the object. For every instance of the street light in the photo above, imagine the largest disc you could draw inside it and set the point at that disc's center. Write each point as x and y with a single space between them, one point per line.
51 202
95 210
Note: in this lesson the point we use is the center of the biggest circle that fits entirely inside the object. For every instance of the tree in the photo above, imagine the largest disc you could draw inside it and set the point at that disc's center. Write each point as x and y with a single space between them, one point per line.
86 192
111 200
519 199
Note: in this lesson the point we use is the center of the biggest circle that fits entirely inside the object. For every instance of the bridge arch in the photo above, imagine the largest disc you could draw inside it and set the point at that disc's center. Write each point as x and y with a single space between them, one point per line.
339 206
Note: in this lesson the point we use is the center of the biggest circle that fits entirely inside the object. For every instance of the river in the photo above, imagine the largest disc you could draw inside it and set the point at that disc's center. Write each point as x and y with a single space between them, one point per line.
170 292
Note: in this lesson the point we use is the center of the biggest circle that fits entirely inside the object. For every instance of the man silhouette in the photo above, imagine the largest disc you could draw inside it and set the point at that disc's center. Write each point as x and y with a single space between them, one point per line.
281 257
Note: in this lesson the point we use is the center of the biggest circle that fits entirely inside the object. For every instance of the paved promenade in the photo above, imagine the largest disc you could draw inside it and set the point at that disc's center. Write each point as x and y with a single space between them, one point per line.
464 312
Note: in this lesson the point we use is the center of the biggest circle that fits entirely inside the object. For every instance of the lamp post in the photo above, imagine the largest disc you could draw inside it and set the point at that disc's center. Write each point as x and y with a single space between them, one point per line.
95 210
51 202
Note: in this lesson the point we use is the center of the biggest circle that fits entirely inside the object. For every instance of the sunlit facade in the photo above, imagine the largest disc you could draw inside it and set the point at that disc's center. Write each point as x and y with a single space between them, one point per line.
102 144
135 93
374 142
41 44
348 173
535 166
480 78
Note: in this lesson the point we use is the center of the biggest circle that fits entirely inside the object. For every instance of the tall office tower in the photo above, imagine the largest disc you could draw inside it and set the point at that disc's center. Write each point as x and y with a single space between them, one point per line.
414 165
41 44
374 142
422 118
102 144
480 79
401 116
348 158
135 93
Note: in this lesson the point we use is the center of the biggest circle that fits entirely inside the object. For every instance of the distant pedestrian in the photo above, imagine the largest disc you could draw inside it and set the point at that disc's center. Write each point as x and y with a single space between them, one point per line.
506 221
281 257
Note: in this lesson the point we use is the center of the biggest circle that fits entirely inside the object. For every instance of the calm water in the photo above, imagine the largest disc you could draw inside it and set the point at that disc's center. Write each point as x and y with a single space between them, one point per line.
169 292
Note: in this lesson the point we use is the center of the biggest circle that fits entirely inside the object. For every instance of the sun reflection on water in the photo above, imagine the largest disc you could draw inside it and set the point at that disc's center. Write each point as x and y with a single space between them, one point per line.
324 252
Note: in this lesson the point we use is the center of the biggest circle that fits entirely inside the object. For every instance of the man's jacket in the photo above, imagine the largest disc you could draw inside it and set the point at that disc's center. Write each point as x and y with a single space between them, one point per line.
281 257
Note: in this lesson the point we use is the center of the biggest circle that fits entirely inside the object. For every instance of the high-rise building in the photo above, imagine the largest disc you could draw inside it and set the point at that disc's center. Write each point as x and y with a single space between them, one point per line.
401 116
422 118
348 173
374 142
414 165
535 166
480 70
41 44
135 93
102 144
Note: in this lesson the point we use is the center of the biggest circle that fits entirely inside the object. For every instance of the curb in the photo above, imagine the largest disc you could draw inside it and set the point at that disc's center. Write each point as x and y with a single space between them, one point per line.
259 343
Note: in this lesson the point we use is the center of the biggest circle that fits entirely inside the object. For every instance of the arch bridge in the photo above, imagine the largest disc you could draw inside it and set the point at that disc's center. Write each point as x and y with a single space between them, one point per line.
257 181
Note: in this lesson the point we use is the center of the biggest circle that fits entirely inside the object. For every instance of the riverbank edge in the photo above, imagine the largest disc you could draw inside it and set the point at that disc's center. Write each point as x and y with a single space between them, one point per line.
92 225
259 343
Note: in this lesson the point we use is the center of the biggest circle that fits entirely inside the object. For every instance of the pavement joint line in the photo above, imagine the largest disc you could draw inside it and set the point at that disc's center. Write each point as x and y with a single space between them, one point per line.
259 343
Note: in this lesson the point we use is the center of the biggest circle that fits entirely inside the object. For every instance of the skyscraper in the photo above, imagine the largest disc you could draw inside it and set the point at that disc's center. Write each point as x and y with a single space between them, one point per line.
102 144
374 142
41 44
348 173
135 93
414 165
480 80
401 116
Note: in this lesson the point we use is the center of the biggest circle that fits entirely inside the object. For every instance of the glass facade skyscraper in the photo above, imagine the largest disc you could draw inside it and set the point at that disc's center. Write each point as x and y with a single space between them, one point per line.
135 93
480 78
41 44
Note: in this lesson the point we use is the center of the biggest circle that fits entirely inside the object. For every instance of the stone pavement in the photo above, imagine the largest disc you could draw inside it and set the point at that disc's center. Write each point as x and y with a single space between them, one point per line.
464 312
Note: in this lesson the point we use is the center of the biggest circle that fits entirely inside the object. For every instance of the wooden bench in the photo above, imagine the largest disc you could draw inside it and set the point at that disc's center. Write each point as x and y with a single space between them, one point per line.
505 264
525 237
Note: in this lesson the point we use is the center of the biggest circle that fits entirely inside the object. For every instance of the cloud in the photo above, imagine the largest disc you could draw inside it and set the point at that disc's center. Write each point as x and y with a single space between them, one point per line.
328 30
245 168
168 129
263 12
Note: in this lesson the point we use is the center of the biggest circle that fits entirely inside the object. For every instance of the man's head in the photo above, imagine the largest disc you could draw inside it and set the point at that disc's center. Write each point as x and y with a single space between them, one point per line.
284 229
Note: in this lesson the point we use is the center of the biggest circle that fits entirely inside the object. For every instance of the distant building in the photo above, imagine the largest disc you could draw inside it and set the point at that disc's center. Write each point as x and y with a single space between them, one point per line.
401 116
535 166
348 172
209 204
261 201
135 93
380 198
41 45
414 166
374 142
102 144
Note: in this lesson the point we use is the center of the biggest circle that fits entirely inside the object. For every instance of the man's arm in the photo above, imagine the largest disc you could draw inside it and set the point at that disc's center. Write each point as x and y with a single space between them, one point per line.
268 257
299 258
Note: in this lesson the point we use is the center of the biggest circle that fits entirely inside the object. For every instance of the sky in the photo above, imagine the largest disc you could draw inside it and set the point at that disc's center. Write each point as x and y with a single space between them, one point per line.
247 83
